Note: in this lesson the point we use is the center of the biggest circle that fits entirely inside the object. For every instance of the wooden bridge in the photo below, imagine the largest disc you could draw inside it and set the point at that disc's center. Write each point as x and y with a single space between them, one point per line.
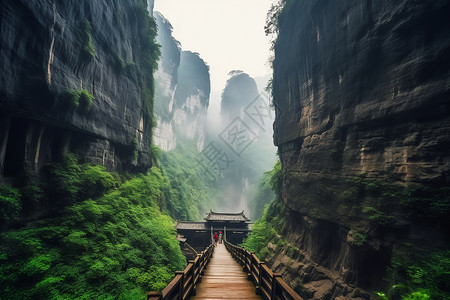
219 276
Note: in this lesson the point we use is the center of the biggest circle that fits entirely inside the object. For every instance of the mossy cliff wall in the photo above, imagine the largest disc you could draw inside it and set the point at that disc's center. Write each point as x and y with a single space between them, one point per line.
76 76
361 91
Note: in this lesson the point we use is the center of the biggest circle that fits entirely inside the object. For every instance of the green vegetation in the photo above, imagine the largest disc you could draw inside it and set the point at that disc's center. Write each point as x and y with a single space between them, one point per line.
359 238
264 193
104 239
188 192
74 97
141 70
150 50
134 148
86 99
269 229
419 203
417 273
70 181
412 296
267 232
80 98
31 191
10 205
162 106
86 40
82 232
129 68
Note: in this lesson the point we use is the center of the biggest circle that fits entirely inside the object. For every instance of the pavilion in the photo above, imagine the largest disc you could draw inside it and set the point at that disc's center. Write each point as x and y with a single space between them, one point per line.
234 226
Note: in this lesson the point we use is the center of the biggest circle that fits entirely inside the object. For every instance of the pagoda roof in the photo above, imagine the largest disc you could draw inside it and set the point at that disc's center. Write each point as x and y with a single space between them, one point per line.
216 216
191 225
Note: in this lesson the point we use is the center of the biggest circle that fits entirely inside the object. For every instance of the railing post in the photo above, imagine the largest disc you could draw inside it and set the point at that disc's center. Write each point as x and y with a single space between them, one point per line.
258 287
180 296
199 266
274 285
190 275
249 272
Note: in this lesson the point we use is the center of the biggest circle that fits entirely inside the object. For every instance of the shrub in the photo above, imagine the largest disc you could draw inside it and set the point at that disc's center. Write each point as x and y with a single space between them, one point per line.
359 238
416 273
79 98
64 181
10 205
275 178
73 98
86 40
86 99
134 148
267 230
379 217
95 181
70 181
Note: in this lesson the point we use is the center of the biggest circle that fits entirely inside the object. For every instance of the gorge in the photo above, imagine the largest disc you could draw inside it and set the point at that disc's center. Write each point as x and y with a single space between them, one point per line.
106 139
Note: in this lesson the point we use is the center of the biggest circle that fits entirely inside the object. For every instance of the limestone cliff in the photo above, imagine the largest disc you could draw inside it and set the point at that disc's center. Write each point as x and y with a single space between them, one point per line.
239 92
76 76
246 120
361 90
192 97
165 84
182 91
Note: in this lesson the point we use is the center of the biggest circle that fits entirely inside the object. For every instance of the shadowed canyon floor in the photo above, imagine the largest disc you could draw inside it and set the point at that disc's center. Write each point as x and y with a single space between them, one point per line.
224 279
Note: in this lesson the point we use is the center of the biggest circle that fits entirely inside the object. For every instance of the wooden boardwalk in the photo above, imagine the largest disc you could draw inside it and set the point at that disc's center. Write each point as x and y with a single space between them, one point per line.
224 279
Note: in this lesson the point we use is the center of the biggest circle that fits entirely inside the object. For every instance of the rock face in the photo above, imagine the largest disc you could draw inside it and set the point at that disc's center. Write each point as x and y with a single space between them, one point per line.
239 91
166 83
52 51
192 97
246 134
182 91
361 89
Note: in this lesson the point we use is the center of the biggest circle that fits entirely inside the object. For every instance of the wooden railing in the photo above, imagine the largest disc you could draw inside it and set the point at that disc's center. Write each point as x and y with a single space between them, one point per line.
185 282
268 284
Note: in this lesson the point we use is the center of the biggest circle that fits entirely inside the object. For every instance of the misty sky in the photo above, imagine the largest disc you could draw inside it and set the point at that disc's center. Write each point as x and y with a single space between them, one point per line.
228 35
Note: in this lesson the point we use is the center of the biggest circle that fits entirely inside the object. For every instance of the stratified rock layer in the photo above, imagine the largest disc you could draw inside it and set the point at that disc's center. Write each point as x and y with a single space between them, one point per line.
50 48
361 88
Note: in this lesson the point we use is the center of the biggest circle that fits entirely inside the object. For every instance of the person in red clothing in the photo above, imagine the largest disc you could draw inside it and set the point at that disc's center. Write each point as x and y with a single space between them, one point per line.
215 239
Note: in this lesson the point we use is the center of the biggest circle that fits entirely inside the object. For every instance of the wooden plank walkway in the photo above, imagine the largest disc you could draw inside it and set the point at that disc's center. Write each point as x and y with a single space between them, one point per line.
224 279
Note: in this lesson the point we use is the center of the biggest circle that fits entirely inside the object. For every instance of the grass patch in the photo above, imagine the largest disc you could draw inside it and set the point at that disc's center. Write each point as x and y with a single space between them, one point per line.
79 98
88 49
